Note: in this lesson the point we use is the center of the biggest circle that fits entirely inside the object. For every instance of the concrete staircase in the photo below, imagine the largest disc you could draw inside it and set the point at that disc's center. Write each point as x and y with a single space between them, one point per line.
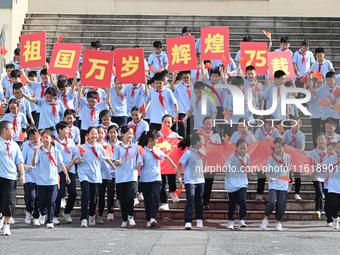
126 31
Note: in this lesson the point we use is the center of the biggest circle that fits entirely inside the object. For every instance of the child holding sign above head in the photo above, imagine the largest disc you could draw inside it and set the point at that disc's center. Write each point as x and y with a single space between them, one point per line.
157 60
277 169
236 182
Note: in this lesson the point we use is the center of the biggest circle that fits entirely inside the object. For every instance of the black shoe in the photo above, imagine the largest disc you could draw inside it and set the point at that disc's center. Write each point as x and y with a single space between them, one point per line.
206 207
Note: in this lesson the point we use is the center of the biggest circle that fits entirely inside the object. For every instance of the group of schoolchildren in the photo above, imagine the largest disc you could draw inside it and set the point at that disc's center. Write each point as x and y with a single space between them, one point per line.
105 135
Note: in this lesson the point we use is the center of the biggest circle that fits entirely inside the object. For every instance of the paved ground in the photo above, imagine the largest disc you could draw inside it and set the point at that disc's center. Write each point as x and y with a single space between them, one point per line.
301 237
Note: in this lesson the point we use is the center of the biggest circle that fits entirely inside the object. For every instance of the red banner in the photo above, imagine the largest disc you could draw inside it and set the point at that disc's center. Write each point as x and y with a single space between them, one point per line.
65 58
214 43
255 54
97 68
130 65
33 50
280 60
181 53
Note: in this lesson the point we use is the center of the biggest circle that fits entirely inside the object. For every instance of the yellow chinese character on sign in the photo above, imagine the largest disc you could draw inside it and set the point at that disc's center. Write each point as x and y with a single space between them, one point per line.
130 66
181 53
215 43
64 58
280 64
32 51
95 66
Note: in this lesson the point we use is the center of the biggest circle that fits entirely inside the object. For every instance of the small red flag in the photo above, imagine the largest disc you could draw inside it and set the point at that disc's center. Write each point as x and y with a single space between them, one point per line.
268 34
324 102
143 109
208 65
60 38
225 61
226 113
284 178
108 152
244 59
317 75
21 136
141 150
179 191
337 106
304 78
337 92
37 136
178 121
0 108
166 130
81 150
257 89
280 128
3 51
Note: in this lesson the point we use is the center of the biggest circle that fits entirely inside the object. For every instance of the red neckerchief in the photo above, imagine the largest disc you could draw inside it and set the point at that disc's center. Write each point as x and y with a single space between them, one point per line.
30 146
159 61
303 57
42 94
50 157
127 150
15 123
242 162
188 88
161 99
278 161
8 149
64 144
265 134
329 139
93 114
244 136
70 134
293 140
65 101
198 73
321 154
98 97
197 103
244 91
54 110
95 152
155 155
133 90
320 64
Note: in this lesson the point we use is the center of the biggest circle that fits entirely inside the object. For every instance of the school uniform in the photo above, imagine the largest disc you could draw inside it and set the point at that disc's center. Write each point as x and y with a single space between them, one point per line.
280 49
315 110
262 135
183 93
100 97
151 180
198 45
10 92
138 129
126 176
6 81
194 183
157 61
33 106
90 177
268 98
325 177
119 105
253 85
39 75
196 109
196 74
249 137
277 167
67 100
332 139
50 113
134 96
11 156
24 105
16 64
19 122
68 151
39 88
30 187
303 61
324 67
236 183
47 179
74 134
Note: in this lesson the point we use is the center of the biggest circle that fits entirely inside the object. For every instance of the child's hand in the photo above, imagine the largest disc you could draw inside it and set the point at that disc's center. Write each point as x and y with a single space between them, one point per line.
139 164
28 167
36 150
185 120
80 159
179 179
118 162
68 180
271 179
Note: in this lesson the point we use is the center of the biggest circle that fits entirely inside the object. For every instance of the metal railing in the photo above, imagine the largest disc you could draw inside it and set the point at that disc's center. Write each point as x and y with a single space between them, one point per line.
2 44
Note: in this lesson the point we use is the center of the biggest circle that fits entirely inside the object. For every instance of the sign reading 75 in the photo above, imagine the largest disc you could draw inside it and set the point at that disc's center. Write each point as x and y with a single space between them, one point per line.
255 54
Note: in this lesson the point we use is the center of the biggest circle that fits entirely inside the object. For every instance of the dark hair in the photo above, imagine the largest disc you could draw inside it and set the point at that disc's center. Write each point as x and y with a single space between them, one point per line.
159 77
319 50
288 84
284 39
61 125
330 74
330 120
12 101
4 124
150 81
17 51
157 44
178 78
15 73
62 77
280 141
210 118
250 68
238 81
190 140
48 59
332 144
146 135
320 134
70 112
230 79
31 130
17 85
214 71
199 85
241 141
186 29
43 72
62 84
168 116
185 72
278 74
92 94
113 47
70 81
125 129
242 120
114 126
32 74
268 118
50 133
90 128
102 114
136 108
10 66
247 38
101 127
51 91
165 72
96 44
305 43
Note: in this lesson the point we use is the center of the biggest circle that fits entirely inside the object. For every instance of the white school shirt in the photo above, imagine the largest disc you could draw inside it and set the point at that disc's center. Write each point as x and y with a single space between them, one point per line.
299 137
194 74
314 107
249 137
67 157
8 164
47 173
276 170
104 167
196 109
304 67
192 167
31 91
268 97
27 153
89 169
47 118
332 164
324 67
119 104
157 111
323 92
86 120
151 169
182 96
21 123
127 171
236 178
140 128
133 99
69 100
157 61
320 157
261 134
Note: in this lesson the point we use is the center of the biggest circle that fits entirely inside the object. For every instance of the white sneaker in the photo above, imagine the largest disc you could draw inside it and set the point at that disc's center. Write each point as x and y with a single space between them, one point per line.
329 224
199 223
83 223
264 224
187 226
67 218
92 220
135 202
335 223
164 207
131 221
140 196
110 217
258 198
290 186
12 222
124 224
174 197
230 224
148 224
242 224
36 222
55 221
2 222
42 219
63 203
317 215
297 197
28 218
7 230
278 227
153 222
50 225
